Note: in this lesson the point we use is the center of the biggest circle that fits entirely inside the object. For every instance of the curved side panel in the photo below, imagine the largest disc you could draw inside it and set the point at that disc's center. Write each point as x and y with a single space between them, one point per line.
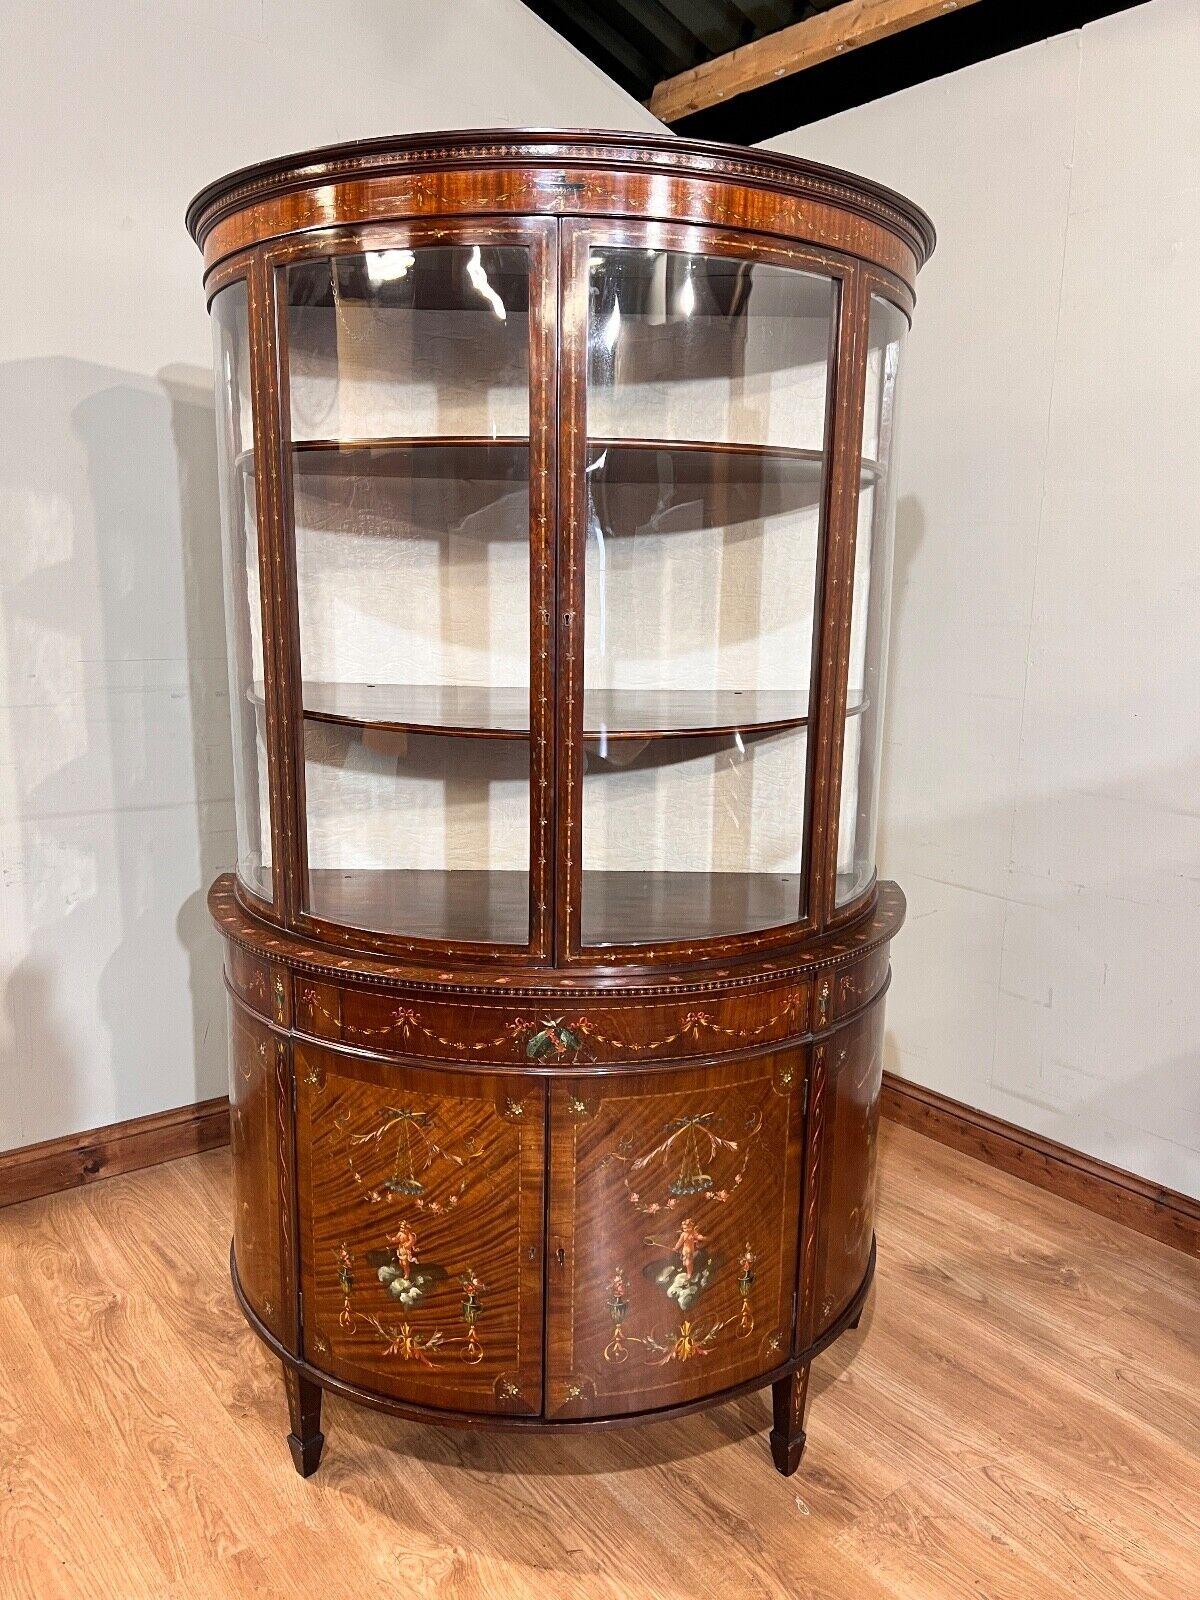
847 1210
254 1111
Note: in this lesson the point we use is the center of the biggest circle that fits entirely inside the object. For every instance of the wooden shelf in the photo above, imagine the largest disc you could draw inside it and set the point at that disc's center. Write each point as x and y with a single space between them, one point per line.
432 487
489 907
410 455
662 486
618 907
503 713
322 454
736 450
347 455
653 907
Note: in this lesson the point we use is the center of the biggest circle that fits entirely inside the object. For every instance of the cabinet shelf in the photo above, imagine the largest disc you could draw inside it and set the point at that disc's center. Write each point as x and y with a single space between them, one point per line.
473 906
639 458
493 906
737 457
503 713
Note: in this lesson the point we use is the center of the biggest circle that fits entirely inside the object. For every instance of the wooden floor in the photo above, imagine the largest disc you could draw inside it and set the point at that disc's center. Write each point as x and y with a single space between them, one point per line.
1018 1416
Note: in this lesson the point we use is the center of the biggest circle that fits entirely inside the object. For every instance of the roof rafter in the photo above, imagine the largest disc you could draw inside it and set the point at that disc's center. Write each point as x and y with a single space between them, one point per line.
778 55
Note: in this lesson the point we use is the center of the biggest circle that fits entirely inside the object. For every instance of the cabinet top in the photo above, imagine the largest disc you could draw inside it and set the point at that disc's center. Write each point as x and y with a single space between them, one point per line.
586 150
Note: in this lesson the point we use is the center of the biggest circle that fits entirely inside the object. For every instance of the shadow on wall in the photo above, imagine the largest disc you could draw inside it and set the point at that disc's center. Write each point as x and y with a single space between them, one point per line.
115 771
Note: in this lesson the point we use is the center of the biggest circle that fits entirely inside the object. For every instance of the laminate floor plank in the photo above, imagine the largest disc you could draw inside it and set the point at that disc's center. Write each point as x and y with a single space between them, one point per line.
1095 1350
60 1533
1015 1419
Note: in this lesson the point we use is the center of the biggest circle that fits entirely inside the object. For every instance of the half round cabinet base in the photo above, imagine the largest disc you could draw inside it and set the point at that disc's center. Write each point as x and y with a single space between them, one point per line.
440 1215
557 501
305 1384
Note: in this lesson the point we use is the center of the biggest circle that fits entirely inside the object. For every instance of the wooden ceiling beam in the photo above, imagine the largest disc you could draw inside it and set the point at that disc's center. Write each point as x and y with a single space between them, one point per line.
779 55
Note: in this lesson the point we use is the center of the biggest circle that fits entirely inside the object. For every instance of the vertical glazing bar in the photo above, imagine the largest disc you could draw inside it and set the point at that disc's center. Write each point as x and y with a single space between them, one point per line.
573 303
837 578
543 485
282 661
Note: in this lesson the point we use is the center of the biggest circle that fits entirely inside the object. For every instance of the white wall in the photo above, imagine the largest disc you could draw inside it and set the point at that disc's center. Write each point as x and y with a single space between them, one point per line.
115 779
1042 770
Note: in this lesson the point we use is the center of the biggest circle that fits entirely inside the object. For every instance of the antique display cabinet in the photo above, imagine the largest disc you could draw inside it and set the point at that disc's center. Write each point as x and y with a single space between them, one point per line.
557 490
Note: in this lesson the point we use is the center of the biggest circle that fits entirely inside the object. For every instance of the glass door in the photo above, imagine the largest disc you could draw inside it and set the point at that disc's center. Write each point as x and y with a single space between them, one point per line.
698 491
419 380
871 605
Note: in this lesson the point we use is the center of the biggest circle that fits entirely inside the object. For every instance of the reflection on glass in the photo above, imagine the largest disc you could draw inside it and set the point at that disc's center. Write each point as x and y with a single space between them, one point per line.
704 473
243 600
707 347
861 752
403 343
410 486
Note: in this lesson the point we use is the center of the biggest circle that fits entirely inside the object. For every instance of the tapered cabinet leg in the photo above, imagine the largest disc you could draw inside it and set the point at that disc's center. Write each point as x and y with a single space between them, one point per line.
788 1399
304 1406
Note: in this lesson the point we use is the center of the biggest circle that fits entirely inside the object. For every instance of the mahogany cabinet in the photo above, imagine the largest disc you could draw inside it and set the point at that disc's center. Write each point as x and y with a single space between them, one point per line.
557 490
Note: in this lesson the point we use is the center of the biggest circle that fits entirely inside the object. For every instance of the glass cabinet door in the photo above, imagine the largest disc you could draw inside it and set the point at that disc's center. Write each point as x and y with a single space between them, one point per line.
704 470
408 373
243 593
871 607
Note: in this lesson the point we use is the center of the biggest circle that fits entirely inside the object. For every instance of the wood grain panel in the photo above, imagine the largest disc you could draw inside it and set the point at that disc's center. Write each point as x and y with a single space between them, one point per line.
847 1171
672 1233
421 1194
602 1031
858 982
566 174
254 1119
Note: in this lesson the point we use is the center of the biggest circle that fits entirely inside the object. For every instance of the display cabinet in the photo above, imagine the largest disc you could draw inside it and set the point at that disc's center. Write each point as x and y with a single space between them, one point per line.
557 488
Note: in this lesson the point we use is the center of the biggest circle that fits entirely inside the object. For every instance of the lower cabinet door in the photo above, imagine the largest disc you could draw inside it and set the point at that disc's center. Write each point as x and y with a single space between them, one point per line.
421 1227
673 1221
847 1170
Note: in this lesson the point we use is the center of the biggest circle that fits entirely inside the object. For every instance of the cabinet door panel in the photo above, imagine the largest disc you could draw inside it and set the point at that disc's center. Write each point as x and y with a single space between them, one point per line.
421 1196
848 1162
674 1210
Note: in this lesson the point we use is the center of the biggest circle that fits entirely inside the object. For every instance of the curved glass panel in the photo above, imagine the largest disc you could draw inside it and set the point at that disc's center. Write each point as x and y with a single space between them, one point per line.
409 396
705 465
243 599
859 811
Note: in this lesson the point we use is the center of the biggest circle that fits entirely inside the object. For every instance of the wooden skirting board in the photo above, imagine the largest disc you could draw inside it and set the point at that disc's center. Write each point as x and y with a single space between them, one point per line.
104 1152
1148 1208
